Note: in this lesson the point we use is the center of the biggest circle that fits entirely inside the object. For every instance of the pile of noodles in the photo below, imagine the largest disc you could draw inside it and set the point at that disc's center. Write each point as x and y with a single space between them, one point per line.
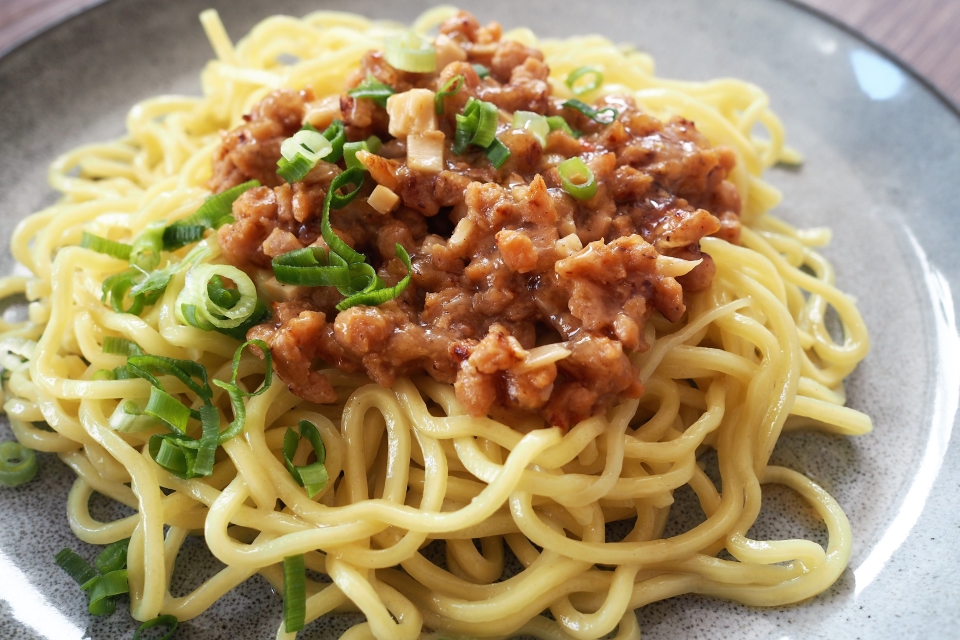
751 357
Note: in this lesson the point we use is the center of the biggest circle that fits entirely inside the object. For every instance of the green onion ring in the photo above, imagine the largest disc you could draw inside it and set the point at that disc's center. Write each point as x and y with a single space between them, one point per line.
18 464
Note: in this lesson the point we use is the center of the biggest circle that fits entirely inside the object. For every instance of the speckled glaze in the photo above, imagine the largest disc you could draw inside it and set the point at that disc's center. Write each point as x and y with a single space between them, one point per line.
882 165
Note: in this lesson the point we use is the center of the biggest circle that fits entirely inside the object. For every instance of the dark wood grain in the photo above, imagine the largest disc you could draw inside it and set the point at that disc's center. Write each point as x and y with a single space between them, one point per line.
923 33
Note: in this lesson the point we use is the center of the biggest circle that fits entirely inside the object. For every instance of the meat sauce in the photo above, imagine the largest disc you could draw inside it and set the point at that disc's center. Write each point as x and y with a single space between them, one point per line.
504 260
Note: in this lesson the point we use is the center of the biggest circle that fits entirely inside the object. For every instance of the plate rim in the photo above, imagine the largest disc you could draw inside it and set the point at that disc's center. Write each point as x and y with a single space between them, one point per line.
68 22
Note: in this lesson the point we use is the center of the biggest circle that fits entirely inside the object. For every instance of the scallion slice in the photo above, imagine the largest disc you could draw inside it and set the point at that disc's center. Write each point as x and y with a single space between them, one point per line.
167 620
450 88
372 89
301 153
177 452
114 557
534 123
166 452
596 79
103 589
481 70
146 366
497 153
477 125
335 200
111 248
237 395
210 423
342 266
351 149
168 410
116 289
593 114
121 347
378 295
78 568
310 267
294 593
337 136
145 253
223 313
410 52
557 122
128 417
18 464
312 477
215 212
577 178
152 287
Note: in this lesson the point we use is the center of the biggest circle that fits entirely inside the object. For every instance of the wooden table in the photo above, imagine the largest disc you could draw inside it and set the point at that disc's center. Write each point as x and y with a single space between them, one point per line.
923 33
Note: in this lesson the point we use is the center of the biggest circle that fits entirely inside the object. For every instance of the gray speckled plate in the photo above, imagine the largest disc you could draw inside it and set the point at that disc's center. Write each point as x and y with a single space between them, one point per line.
882 166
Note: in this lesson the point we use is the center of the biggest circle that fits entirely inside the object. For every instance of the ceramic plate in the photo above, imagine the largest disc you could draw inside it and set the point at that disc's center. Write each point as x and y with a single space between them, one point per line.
882 164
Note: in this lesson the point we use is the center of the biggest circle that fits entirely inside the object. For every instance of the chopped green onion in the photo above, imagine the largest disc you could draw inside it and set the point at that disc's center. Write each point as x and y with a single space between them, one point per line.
146 366
534 123
595 81
145 253
114 557
116 288
577 178
102 245
294 593
304 149
410 52
227 298
335 200
592 113
104 374
350 150
128 417
477 125
237 395
103 589
301 153
215 212
481 70
310 267
497 153
312 477
372 89
296 169
167 453
77 567
342 266
450 88
337 136
167 620
379 295
209 312
121 347
210 423
18 464
178 453
557 122
308 142
168 410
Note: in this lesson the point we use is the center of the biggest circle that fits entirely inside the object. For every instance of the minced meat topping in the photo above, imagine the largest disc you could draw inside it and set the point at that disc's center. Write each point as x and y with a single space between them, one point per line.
504 260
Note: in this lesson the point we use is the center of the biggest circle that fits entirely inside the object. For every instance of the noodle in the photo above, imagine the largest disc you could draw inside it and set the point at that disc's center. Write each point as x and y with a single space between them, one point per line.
752 351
